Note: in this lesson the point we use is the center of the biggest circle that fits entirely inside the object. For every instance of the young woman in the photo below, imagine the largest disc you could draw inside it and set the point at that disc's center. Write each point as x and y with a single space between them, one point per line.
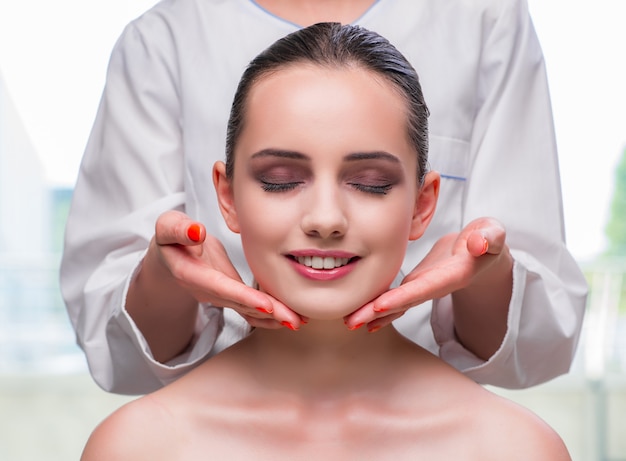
326 181
146 312
493 265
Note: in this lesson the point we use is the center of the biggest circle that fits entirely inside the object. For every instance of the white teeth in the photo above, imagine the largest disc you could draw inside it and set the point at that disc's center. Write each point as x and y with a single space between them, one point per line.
329 263
317 262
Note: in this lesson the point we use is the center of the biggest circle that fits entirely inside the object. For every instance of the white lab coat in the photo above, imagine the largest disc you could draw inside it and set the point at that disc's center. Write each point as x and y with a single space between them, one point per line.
161 126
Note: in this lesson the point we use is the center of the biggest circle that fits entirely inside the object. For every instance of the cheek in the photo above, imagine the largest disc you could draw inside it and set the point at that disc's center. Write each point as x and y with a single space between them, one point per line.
390 216
259 224
263 227
387 229
256 210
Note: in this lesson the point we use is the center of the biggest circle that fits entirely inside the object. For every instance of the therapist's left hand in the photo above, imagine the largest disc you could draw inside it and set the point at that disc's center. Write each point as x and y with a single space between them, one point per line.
455 262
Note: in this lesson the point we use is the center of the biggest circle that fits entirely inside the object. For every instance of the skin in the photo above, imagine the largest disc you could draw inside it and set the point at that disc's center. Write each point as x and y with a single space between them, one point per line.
442 417
324 392
180 271
331 177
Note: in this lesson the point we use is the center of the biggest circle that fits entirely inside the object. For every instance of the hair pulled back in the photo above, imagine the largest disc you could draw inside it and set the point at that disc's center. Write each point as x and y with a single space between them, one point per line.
336 45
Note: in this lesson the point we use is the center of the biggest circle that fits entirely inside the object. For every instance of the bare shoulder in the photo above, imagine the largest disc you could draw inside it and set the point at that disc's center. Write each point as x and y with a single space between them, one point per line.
138 430
519 433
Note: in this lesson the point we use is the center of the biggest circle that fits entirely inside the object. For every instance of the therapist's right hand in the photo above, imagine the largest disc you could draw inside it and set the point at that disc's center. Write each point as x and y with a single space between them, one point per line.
199 263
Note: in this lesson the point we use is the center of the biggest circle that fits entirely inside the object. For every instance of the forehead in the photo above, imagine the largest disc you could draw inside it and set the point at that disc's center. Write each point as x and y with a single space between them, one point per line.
329 81
309 103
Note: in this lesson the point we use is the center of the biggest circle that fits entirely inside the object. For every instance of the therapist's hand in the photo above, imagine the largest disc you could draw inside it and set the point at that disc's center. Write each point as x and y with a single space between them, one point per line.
199 263
475 257
184 266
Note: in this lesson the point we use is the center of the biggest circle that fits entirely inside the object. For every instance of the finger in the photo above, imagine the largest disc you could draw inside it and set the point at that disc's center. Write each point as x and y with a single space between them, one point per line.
360 317
281 313
477 244
270 324
403 297
247 311
395 301
489 240
175 227
285 316
436 282
264 307
227 291
381 322
215 253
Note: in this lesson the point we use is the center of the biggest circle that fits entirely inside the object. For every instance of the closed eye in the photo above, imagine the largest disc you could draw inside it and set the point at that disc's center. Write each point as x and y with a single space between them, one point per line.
372 189
278 187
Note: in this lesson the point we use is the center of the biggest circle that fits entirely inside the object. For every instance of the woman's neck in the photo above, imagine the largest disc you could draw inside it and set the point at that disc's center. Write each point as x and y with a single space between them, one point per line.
326 358
307 12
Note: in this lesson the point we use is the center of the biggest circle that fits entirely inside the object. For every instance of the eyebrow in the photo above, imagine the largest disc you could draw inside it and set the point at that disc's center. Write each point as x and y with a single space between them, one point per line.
280 153
373 155
355 156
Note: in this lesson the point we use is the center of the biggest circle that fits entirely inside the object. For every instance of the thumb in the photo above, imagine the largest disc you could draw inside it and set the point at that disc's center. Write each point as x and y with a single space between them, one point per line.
488 240
175 227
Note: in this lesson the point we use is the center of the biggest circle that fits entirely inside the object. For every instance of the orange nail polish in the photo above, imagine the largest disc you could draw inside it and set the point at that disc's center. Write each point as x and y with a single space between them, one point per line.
264 310
193 232
485 247
374 329
288 325
356 327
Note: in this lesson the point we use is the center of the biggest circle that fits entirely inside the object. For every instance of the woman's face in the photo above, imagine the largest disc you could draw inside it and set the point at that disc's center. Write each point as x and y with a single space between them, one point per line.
324 191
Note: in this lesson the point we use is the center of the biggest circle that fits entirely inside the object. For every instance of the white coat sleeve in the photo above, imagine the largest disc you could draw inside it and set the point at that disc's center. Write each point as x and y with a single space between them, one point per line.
514 177
132 171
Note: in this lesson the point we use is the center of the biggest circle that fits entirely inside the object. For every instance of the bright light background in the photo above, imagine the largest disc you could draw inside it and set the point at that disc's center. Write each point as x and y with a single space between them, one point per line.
53 58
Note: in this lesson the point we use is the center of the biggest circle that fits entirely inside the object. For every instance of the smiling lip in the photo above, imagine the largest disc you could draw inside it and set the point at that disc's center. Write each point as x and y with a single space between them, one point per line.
323 265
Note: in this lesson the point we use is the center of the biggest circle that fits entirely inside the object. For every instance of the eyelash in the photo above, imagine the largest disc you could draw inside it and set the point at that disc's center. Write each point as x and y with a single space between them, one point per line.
278 187
377 190
284 187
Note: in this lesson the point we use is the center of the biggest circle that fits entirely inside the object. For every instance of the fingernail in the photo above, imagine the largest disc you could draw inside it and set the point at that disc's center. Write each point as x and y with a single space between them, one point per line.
485 247
380 309
356 327
288 325
264 310
374 329
193 232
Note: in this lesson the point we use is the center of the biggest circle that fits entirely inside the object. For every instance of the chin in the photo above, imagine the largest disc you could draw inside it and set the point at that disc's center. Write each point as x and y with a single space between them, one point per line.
325 307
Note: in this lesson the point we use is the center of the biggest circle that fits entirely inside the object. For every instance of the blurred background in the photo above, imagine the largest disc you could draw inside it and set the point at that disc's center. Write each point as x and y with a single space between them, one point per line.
53 58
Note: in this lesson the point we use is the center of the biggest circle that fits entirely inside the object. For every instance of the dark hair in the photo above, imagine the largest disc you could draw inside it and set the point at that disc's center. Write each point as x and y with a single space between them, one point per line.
335 45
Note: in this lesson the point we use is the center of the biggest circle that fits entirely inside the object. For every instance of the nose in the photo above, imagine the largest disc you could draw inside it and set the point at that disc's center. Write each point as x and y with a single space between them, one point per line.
324 215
